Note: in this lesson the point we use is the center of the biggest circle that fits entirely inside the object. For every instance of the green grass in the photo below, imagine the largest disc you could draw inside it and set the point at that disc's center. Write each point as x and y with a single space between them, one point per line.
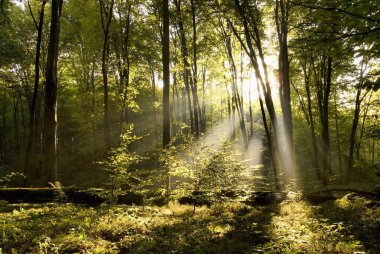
341 226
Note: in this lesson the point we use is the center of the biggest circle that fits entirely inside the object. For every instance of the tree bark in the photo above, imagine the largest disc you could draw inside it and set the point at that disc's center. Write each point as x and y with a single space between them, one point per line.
325 122
197 109
355 122
125 71
337 131
249 49
166 75
50 123
106 18
283 62
365 114
235 93
4 131
269 140
187 72
15 123
28 154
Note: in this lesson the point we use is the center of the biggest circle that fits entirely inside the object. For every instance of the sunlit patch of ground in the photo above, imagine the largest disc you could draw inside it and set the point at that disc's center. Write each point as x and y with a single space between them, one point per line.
342 226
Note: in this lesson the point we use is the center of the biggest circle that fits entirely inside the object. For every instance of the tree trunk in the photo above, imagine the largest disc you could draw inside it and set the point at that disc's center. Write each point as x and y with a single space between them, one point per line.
187 72
197 109
106 18
269 141
153 79
125 72
28 154
312 124
16 122
166 75
248 47
337 131
355 122
203 111
50 124
365 113
183 107
4 130
325 123
93 121
235 93
283 62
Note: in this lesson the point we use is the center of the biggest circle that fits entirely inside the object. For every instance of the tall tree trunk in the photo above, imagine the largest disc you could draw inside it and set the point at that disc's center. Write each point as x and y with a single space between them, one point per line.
325 123
197 109
311 120
269 140
187 73
153 79
337 131
249 49
231 122
183 106
125 71
354 126
106 18
28 154
203 111
166 75
93 121
365 113
16 122
22 116
175 105
236 98
4 130
250 113
50 123
373 153
283 62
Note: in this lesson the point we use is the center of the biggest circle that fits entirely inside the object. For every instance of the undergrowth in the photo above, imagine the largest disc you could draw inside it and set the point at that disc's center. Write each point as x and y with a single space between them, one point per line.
342 226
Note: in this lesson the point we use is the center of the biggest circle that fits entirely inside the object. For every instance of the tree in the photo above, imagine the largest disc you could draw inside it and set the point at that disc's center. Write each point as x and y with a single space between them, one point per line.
282 19
50 124
166 74
39 27
186 65
106 12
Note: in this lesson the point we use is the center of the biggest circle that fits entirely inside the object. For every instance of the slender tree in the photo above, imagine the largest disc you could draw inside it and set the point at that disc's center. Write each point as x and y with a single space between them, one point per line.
282 19
39 27
166 74
106 11
355 122
50 124
187 72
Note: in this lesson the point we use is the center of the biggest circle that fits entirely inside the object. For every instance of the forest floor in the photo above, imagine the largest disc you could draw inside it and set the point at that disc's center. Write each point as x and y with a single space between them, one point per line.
346 225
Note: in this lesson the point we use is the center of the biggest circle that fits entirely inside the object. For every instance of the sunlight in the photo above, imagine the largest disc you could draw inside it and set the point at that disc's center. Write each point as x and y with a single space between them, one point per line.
215 137
249 81
19 3
159 82
253 155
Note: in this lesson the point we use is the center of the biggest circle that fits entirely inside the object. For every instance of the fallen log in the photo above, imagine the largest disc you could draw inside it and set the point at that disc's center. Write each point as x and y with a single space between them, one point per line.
197 198
263 198
71 195
331 194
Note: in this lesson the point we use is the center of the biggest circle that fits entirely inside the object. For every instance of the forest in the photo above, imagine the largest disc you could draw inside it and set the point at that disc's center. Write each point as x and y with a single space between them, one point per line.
189 126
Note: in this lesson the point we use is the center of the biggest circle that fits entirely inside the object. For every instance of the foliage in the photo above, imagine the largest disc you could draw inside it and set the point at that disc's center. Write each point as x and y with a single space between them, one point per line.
118 165
193 166
13 179
343 226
